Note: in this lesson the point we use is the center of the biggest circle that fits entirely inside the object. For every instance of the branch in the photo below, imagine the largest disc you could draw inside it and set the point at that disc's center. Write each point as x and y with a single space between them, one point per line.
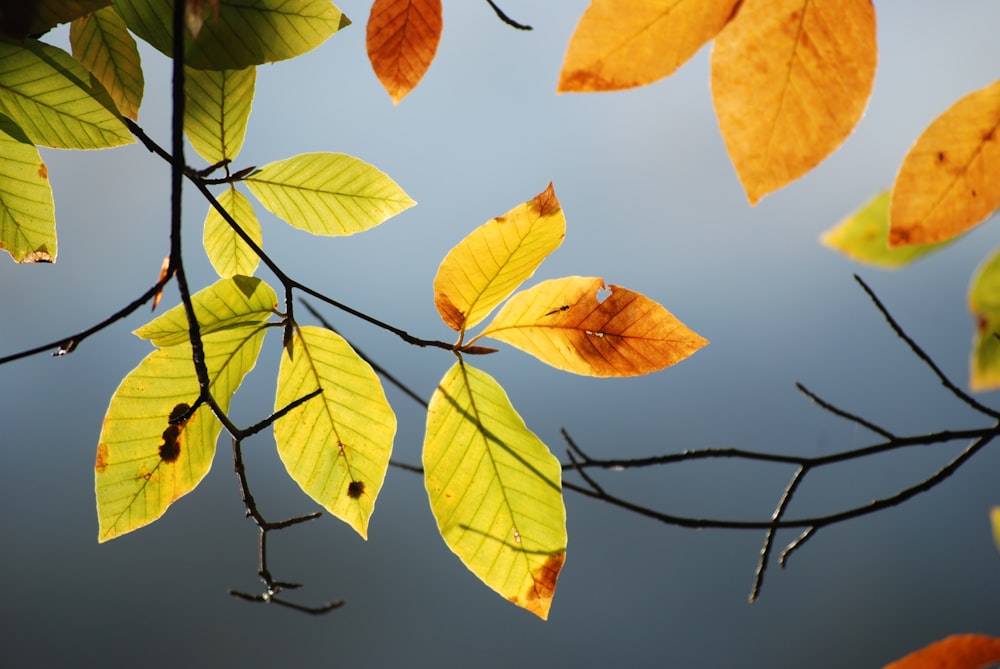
506 19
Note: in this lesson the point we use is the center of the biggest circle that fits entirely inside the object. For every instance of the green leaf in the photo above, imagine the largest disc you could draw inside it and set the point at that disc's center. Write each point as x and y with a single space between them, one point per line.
328 193
335 446
103 44
27 212
228 253
217 109
235 303
984 303
55 100
20 18
245 33
495 489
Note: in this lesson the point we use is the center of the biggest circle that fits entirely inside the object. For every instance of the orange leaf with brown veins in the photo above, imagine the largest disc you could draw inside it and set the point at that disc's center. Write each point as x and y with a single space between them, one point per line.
564 323
790 80
961 651
402 39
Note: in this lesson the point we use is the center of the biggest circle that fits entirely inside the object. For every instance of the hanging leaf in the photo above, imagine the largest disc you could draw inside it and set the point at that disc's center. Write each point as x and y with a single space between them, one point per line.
984 303
328 193
488 265
622 44
20 18
402 38
564 323
27 211
947 183
217 110
495 489
790 80
995 522
335 446
228 253
961 651
103 44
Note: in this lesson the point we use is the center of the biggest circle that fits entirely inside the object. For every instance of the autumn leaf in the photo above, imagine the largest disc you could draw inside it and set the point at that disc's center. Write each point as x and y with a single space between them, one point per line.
228 253
790 80
984 303
564 323
961 651
627 43
27 210
995 523
103 44
948 181
402 38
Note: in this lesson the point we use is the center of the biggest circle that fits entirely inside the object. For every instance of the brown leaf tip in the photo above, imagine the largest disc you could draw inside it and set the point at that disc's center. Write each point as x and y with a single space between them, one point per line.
355 489
545 203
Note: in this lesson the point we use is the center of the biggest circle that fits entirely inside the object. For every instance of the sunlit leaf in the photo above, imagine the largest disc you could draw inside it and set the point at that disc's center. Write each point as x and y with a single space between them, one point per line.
488 265
328 193
495 489
402 38
948 181
55 100
626 43
103 44
961 651
984 303
246 32
27 211
995 522
864 236
20 18
336 446
790 80
217 110
228 253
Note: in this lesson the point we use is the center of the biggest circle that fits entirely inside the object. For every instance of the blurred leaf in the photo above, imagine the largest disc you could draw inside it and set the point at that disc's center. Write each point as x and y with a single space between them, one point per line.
495 489
228 253
335 446
790 80
402 38
328 193
948 181
563 323
995 522
20 18
27 211
961 651
488 265
103 44
984 303
217 110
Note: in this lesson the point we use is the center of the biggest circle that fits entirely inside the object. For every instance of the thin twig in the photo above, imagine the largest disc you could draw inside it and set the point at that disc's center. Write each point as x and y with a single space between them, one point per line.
506 19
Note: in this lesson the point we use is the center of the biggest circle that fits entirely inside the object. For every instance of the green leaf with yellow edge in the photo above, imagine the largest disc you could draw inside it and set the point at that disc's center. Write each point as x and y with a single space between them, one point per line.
103 44
20 18
564 323
495 489
232 303
984 303
335 446
27 211
864 236
487 266
328 193
228 253
245 32
217 110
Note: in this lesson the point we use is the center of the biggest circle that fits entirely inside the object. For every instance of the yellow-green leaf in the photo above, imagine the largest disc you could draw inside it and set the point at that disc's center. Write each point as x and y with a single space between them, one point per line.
488 265
245 32
27 212
328 193
984 303
495 489
864 236
336 446
566 323
228 253
20 18
995 522
55 100
103 44
217 110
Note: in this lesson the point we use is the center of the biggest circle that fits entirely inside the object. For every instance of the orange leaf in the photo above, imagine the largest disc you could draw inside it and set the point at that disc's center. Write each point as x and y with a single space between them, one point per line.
790 80
949 180
627 43
961 651
402 38
563 323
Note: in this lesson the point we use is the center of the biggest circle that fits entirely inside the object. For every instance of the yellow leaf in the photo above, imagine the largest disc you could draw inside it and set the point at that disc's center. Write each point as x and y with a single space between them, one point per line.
489 264
984 303
228 253
217 110
995 522
790 80
563 323
948 181
27 210
627 43
103 44
402 38
961 651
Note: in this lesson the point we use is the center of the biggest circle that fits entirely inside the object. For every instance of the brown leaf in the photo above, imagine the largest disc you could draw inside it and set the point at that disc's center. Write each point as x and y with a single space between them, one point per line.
961 651
402 38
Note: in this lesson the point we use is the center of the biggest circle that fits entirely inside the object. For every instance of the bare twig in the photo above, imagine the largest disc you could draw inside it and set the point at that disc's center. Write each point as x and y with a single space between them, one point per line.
506 19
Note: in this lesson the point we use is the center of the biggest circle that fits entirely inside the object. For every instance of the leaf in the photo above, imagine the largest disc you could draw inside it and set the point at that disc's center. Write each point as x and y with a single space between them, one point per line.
217 110
562 323
20 18
402 38
55 100
960 651
995 522
864 236
984 303
790 80
488 265
245 32
622 44
495 489
947 183
228 253
328 193
335 446
27 211
103 44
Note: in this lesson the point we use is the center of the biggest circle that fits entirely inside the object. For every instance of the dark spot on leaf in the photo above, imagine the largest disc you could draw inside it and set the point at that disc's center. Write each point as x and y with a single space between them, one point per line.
355 489
981 323
973 192
988 135
102 458
43 171
170 449
178 414
940 156
897 236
